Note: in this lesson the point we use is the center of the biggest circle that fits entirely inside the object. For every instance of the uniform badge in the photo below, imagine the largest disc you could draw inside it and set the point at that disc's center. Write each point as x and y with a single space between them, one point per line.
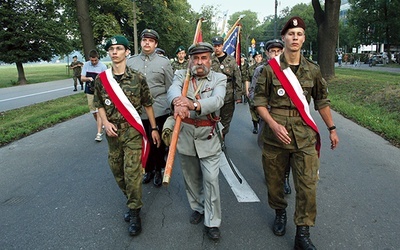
281 92
305 92
107 102
295 23
221 66
113 41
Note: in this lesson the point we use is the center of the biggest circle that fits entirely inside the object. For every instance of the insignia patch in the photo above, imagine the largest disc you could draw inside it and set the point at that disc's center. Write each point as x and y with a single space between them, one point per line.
221 66
281 92
107 102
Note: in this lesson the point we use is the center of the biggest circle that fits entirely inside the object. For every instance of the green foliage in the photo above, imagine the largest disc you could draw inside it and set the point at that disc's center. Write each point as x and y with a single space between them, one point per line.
32 31
374 21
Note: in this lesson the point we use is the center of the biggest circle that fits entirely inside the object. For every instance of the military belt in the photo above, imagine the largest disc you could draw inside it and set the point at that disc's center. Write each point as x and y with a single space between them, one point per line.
285 112
198 122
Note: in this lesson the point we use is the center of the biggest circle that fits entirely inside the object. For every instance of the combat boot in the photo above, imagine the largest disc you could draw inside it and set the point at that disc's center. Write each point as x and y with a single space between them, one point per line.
135 224
279 227
302 240
255 129
286 186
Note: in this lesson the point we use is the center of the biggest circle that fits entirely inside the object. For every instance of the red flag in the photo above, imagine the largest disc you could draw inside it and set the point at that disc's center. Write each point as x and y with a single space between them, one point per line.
199 35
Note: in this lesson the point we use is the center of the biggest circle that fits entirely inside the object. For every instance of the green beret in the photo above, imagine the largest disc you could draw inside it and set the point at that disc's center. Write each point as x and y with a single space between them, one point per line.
200 47
117 40
294 22
217 40
179 49
256 53
149 33
275 43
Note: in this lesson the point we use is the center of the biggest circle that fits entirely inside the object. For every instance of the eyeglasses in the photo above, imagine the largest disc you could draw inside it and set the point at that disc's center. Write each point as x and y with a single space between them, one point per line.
118 48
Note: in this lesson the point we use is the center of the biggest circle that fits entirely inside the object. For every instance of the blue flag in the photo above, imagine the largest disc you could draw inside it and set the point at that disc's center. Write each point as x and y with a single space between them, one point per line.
232 44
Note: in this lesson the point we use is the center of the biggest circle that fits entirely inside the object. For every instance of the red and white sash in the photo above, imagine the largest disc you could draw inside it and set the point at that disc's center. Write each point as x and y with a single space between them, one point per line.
126 108
294 90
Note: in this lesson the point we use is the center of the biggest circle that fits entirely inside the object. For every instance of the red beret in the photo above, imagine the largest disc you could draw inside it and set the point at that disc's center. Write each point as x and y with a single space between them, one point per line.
294 22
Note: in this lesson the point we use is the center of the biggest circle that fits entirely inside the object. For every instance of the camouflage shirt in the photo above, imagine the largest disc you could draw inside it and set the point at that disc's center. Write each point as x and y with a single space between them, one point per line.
176 65
77 70
133 84
234 80
266 94
244 71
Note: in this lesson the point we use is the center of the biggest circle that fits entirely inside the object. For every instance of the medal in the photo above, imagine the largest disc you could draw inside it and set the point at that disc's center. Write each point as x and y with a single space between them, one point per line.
221 66
107 102
281 92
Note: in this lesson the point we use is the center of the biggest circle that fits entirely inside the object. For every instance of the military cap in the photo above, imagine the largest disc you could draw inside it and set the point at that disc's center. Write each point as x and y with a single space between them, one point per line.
294 22
179 49
256 53
117 40
243 55
217 40
149 33
160 51
275 43
200 47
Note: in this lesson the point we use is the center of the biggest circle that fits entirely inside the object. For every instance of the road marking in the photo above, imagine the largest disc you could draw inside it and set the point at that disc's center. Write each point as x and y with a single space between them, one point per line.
243 192
40 93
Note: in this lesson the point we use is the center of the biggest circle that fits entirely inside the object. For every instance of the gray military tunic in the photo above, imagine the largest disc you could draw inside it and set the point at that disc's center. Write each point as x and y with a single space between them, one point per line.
200 155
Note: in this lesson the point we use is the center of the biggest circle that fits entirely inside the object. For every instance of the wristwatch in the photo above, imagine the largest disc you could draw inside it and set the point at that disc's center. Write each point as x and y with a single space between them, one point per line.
195 106
153 129
332 128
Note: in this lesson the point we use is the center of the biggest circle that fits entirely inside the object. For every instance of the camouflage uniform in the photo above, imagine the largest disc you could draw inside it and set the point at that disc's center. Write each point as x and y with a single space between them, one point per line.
125 150
176 65
253 111
244 72
301 152
77 73
233 87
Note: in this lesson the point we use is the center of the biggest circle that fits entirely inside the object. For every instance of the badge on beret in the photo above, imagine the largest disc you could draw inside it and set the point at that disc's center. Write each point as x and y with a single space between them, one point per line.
221 66
280 92
295 23
113 40
107 102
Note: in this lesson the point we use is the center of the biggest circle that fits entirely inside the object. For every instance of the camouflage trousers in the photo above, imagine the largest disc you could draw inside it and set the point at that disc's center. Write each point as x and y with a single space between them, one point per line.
226 114
305 166
124 158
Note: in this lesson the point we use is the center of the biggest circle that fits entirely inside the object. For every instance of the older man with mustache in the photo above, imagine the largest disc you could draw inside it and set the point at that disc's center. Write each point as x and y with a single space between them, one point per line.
198 144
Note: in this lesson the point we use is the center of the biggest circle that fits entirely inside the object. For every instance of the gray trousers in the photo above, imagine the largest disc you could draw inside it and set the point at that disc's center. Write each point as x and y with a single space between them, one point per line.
202 186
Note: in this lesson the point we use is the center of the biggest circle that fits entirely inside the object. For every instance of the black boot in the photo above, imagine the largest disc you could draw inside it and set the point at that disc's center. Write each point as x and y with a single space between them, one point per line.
135 224
279 227
255 129
286 185
302 240
127 216
157 179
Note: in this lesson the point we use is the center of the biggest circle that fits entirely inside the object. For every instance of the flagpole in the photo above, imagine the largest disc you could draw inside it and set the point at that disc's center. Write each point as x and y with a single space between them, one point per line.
234 26
175 133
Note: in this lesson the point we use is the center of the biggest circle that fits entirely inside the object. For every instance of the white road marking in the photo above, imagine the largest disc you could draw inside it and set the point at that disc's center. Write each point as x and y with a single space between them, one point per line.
40 93
243 192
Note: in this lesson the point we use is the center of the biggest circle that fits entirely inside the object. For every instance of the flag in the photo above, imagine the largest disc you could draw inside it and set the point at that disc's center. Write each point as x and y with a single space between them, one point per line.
232 44
198 37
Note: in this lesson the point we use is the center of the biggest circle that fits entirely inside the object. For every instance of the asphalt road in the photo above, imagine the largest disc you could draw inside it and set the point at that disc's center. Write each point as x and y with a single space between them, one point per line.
57 192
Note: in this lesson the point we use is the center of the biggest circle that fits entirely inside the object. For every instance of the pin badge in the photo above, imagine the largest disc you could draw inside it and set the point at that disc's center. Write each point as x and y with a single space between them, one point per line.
107 102
221 66
281 92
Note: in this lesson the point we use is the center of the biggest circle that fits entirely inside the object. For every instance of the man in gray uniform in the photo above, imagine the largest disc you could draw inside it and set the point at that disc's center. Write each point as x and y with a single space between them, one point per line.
159 74
198 145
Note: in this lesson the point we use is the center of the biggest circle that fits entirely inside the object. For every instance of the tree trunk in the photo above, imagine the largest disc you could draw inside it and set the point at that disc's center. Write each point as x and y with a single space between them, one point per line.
85 26
328 30
21 74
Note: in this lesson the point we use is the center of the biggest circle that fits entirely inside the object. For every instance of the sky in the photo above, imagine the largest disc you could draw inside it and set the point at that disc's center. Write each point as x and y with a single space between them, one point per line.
261 7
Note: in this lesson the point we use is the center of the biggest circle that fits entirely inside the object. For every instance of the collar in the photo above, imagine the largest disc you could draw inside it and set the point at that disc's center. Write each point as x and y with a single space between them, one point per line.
150 56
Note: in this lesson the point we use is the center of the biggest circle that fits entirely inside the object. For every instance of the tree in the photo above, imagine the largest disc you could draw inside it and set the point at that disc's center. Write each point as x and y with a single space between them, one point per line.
328 28
85 26
32 31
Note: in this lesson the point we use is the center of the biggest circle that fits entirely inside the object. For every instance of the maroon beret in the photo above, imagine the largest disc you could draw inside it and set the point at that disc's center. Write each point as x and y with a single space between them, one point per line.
294 22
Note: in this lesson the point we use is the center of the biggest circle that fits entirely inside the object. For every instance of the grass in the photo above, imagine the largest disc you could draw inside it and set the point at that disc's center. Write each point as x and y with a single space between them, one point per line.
18 123
34 73
369 98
